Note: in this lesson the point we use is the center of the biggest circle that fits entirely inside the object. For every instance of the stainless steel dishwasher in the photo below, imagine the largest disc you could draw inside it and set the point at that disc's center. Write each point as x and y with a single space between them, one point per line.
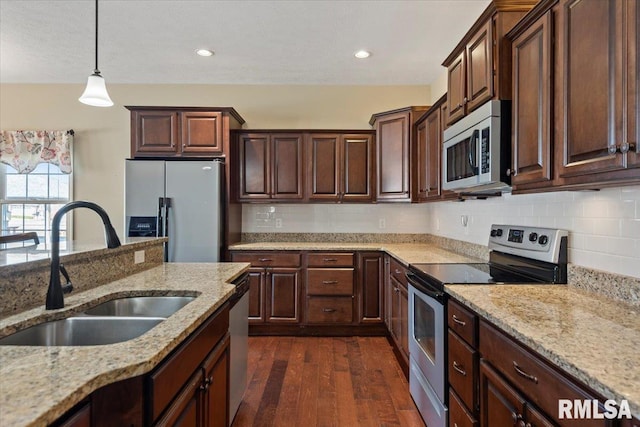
239 346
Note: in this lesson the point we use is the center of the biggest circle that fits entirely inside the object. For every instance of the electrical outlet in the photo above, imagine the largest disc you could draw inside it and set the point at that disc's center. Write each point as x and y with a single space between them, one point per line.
382 223
138 257
278 222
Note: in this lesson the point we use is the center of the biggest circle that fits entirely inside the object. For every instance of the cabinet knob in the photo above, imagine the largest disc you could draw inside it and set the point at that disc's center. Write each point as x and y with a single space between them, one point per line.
623 148
465 100
398 271
511 172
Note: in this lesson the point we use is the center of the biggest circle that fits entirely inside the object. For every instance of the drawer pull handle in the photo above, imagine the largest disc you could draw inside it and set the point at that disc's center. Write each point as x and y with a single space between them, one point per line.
458 369
524 374
265 259
458 321
329 260
329 282
328 310
398 271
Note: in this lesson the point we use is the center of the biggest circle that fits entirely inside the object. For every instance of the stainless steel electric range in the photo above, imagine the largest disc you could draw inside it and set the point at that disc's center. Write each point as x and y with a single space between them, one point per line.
519 255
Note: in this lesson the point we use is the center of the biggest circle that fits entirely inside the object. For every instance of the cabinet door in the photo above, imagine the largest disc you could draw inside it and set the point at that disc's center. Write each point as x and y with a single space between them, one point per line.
256 295
433 147
357 161
287 155
254 168
154 132
590 101
395 312
187 409
500 405
393 137
479 68
202 132
403 295
323 167
283 290
456 88
216 386
532 104
422 167
371 273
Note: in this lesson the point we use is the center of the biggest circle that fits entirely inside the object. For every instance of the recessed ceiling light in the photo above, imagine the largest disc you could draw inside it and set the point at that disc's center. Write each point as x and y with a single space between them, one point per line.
362 54
204 52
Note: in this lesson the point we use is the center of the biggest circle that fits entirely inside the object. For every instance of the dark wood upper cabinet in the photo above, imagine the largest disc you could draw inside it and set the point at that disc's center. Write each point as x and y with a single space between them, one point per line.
323 166
164 132
575 106
427 153
270 166
479 68
202 132
394 135
591 88
532 74
340 167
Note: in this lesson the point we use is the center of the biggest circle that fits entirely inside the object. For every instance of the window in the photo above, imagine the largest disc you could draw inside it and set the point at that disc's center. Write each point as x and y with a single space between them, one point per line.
28 202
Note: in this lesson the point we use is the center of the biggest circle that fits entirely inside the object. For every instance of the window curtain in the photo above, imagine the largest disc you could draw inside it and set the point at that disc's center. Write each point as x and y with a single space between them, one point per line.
25 149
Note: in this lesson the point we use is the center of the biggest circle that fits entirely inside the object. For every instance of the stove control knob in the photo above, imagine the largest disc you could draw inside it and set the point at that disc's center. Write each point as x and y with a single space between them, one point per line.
499 232
493 233
543 240
533 237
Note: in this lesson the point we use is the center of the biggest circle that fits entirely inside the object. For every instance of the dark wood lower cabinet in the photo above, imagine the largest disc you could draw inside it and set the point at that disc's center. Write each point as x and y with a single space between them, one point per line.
190 387
371 267
283 292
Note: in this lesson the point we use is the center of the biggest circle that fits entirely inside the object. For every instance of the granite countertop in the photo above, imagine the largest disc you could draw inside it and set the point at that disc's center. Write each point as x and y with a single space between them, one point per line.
39 384
29 257
591 337
407 253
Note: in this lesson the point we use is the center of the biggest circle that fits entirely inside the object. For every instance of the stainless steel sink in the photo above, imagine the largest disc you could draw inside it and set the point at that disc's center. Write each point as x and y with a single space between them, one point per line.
140 306
81 331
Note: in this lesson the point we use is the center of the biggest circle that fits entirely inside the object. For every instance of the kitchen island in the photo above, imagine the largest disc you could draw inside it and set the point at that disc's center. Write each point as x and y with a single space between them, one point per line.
40 384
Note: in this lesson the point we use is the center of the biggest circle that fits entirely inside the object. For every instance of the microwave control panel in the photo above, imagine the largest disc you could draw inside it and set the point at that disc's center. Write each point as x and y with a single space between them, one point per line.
484 150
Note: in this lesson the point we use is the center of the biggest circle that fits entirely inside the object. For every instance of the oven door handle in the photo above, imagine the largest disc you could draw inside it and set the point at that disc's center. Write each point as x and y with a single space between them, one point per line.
424 288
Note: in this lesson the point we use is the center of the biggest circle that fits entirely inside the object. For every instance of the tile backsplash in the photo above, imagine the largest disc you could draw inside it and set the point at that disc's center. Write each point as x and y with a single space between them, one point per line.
604 225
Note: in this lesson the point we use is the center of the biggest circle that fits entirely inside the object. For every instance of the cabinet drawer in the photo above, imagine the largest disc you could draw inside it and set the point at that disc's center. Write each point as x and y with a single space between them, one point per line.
458 414
462 369
166 381
397 270
329 310
330 259
541 384
267 259
330 281
463 322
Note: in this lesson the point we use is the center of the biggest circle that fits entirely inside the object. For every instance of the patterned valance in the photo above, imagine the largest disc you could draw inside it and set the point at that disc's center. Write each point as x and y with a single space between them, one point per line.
25 149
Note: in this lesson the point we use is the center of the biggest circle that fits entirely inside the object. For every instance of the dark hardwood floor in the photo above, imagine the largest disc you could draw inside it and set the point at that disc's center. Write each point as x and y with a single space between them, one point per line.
325 381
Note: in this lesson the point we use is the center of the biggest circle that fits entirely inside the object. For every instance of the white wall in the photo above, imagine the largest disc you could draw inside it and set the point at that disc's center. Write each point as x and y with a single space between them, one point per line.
604 226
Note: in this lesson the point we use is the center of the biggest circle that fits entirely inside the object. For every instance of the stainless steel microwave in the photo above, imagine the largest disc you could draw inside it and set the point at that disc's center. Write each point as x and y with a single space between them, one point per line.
477 150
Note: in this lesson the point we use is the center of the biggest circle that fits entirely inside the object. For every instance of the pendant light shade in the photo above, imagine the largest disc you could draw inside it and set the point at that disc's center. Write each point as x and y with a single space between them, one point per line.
95 94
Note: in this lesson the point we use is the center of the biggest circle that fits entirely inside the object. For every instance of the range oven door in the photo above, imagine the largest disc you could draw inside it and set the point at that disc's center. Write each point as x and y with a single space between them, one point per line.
427 351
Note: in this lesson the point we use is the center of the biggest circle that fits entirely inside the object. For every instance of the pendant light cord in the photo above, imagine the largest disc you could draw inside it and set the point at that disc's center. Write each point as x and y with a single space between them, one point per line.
96 71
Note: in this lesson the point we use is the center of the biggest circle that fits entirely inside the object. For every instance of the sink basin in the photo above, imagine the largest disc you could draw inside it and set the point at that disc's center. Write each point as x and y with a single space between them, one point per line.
81 331
140 306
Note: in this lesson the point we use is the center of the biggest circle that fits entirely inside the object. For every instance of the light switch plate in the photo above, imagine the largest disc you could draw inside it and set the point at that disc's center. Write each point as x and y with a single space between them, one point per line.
138 257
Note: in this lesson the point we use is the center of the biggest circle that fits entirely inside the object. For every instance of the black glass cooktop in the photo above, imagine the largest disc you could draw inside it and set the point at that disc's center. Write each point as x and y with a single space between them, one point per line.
478 274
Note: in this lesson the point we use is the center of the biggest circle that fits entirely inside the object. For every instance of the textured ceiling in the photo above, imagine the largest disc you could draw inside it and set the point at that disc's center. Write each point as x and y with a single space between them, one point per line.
255 42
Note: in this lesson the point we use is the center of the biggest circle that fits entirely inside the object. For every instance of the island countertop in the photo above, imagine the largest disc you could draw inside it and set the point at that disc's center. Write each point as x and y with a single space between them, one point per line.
39 384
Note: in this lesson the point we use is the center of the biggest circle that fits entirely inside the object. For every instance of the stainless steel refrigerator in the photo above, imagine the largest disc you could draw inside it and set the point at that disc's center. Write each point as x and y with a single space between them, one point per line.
180 199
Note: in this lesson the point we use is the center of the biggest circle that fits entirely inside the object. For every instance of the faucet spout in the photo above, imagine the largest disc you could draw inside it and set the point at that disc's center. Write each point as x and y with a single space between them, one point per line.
55 298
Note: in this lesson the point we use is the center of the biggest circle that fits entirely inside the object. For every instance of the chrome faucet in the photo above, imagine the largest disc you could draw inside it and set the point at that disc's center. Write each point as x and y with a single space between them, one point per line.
55 298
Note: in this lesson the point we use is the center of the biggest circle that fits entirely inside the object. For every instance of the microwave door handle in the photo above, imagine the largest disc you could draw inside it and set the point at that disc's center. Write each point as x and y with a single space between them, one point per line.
473 148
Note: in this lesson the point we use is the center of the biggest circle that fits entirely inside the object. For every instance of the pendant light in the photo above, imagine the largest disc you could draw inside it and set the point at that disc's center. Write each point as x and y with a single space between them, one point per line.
95 94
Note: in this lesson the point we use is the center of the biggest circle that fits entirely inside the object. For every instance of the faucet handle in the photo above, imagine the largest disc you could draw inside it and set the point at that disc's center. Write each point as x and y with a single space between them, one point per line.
67 287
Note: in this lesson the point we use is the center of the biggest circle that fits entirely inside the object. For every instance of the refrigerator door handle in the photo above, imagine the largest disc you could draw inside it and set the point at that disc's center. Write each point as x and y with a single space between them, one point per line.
159 220
167 207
